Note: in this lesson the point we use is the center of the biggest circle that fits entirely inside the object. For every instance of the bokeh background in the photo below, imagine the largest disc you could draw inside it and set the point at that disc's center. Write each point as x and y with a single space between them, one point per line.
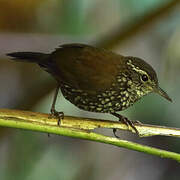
149 29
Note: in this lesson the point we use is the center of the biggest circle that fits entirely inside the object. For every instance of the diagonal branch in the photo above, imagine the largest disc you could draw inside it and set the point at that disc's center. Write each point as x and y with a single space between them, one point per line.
80 128
120 34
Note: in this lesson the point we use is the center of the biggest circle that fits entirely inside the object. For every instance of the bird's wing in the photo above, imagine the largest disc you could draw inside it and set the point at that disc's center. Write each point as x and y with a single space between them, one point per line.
85 67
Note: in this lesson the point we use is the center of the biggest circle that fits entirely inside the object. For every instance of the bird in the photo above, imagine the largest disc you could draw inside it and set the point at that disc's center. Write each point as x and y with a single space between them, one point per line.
95 79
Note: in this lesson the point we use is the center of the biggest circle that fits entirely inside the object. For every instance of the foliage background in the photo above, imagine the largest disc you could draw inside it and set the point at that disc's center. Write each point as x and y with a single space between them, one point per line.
43 25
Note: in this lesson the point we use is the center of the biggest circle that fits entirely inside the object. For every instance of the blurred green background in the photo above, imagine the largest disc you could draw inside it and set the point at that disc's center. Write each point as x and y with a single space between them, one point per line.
149 29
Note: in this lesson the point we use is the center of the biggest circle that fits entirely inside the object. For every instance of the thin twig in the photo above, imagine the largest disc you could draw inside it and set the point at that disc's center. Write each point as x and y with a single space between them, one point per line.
80 128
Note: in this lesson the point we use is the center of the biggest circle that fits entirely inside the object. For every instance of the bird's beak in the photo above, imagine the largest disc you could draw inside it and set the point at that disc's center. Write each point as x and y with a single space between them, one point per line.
162 93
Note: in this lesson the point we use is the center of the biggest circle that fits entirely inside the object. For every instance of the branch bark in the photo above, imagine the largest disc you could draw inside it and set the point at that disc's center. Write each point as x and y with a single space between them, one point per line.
81 128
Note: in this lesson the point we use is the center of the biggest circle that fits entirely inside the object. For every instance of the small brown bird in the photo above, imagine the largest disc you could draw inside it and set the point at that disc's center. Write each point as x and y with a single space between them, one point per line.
95 79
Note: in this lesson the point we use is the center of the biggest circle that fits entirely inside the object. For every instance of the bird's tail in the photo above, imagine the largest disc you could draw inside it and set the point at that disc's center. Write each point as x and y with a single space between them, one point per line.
33 57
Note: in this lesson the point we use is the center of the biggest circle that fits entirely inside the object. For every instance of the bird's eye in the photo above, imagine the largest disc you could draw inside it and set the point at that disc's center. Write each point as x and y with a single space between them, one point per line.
144 77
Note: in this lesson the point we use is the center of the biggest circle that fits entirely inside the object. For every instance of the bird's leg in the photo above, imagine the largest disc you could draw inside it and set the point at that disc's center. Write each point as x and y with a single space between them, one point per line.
54 113
126 121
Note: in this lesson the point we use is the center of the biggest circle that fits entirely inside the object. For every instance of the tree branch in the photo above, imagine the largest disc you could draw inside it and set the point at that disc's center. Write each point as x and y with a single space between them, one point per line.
119 34
80 128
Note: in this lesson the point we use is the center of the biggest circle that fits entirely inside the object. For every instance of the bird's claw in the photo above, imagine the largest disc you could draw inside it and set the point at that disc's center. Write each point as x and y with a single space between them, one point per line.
56 114
127 122
114 132
130 123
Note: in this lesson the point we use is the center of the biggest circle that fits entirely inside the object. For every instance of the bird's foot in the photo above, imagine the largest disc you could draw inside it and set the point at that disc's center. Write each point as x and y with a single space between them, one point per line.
114 132
137 122
127 122
58 115
130 123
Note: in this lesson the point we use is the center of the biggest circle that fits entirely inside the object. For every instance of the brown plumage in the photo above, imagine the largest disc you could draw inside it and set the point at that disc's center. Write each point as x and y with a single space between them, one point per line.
95 79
